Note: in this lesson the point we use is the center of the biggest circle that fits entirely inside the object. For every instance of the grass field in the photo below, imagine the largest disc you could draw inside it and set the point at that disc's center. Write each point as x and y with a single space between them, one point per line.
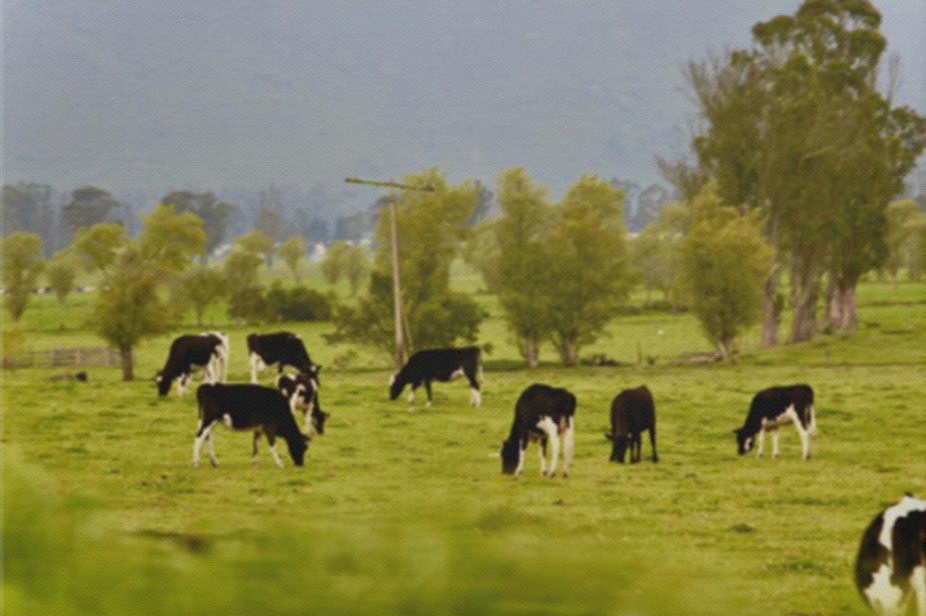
404 511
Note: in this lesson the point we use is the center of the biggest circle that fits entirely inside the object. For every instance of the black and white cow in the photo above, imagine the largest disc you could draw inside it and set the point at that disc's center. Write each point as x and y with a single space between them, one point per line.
632 412
248 407
280 348
774 407
207 351
302 392
542 413
438 365
891 565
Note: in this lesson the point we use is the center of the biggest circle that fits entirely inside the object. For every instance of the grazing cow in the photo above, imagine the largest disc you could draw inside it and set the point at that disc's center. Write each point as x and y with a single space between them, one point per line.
891 563
632 412
774 407
248 407
438 365
542 413
302 392
207 351
280 348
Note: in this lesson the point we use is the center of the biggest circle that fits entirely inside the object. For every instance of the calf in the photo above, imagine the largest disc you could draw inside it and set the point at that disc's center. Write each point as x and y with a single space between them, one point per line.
189 352
891 565
438 365
280 348
248 407
302 392
774 407
632 412
542 413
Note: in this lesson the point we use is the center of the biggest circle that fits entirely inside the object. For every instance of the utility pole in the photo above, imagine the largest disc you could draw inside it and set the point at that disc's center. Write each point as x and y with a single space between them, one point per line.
394 249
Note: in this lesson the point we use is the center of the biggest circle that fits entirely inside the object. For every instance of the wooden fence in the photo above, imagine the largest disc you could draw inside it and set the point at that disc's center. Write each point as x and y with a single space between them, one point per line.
80 356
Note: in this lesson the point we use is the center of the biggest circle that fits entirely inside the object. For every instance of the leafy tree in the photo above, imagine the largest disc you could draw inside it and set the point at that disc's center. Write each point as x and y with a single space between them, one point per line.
215 214
590 270
248 303
355 266
292 252
259 243
724 264
61 272
655 252
524 261
482 252
170 240
296 304
241 268
22 265
199 287
88 206
333 265
97 246
901 235
431 227
128 307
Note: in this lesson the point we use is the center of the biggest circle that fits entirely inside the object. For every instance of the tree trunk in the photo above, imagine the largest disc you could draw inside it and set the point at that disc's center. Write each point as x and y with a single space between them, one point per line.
569 352
199 316
771 302
127 361
841 312
530 351
805 292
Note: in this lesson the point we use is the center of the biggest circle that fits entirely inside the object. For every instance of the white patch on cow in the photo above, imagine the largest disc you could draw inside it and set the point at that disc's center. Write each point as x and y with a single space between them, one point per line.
475 398
522 445
552 432
391 380
314 383
411 396
257 365
884 596
760 450
456 374
747 444
907 505
212 456
775 443
227 420
918 584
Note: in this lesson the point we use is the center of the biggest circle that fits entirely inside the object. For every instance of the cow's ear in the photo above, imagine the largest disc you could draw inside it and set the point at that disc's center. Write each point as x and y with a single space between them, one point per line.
317 369
737 431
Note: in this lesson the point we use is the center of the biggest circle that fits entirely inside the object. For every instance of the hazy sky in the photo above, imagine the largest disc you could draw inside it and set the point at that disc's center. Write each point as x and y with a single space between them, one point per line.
149 96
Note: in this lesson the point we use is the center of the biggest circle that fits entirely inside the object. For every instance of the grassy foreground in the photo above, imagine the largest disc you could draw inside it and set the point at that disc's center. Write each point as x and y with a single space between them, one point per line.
406 512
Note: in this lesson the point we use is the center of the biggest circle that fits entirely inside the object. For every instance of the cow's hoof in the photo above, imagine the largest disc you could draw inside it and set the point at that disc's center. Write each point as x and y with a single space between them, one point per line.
565 475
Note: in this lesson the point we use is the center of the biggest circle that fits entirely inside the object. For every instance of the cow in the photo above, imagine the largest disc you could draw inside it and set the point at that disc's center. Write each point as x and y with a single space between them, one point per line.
438 365
774 407
248 407
280 348
632 412
542 413
208 351
302 392
890 568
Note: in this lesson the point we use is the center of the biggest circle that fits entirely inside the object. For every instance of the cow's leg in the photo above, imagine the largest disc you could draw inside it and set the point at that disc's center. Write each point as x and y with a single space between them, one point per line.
552 435
427 387
212 458
273 451
569 442
254 459
542 450
198 443
411 394
775 443
918 584
760 450
182 381
252 360
805 440
522 445
475 398
652 442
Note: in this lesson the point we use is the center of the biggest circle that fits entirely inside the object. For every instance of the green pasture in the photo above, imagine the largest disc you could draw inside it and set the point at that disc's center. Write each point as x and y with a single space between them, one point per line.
404 511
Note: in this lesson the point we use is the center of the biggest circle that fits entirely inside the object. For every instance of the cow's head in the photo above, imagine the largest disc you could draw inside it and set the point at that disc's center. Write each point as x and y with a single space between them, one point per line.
318 419
511 456
618 446
744 441
297 447
162 383
312 372
395 387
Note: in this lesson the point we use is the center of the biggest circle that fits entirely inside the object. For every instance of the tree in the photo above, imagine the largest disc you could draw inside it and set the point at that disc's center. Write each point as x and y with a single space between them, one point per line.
431 227
333 265
241 268
292 252
589 269
215 214
524 261
61 271
96 247
128 307
355 266
26 206
170 240
724 264
199 287
902 218
22 265
655 252
259 243
88 206
481 251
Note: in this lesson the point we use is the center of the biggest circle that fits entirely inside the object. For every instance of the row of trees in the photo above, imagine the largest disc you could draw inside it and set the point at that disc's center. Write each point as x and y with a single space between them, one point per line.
798 129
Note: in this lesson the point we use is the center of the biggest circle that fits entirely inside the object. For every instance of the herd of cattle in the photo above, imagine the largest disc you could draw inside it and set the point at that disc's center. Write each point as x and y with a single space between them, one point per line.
890 569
